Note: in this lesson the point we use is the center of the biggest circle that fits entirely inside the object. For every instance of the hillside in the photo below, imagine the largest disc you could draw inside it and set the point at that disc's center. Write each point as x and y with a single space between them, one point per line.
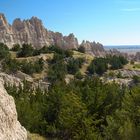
70 94
32 31
63 89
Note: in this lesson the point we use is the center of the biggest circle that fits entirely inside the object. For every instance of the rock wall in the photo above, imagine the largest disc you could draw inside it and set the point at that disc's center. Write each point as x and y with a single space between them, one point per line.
94 48
10 128
33 32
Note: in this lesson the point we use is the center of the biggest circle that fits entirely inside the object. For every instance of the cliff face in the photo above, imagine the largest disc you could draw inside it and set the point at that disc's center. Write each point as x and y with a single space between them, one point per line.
33 32
93 48
10 128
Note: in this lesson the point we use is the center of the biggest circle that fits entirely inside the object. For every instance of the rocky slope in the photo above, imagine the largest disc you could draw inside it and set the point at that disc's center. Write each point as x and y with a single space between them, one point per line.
93 48
10 128
33 32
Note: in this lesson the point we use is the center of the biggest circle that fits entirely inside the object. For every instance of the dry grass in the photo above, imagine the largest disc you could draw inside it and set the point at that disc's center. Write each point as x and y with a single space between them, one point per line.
135 66
34 58
88 58
13 54
35 137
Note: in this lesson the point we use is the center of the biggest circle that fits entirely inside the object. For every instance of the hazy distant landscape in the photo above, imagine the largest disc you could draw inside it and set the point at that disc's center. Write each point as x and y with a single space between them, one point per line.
132 49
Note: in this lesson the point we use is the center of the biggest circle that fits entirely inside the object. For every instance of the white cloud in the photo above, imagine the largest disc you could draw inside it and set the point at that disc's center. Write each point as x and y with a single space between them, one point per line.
128 1
130 9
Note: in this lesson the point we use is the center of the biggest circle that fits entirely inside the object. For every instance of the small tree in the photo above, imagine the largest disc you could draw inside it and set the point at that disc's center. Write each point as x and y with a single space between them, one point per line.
81 49
16 48
26 51
4 51
136 79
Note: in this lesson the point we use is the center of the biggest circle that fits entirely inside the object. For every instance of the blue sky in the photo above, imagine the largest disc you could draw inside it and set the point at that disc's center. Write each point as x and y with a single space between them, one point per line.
111 22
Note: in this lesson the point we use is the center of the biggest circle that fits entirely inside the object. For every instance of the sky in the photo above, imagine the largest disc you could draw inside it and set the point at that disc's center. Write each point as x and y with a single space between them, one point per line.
110 22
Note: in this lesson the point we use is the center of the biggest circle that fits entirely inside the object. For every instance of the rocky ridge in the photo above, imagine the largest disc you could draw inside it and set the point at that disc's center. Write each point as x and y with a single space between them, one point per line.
33 32
93 48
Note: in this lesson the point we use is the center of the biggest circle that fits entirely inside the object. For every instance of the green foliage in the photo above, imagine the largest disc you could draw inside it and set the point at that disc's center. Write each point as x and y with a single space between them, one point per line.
16 48
74 65
26 51
57 58
125 123
81 49
4 51
117 62
86 109
78 75
59 67
83 110
32 67
62 52
57 71
12 66
132 62
119 75
98 65
136 79
101 65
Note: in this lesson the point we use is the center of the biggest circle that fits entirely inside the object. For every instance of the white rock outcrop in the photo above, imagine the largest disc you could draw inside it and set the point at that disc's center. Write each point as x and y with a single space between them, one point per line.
10 128
94 48
33 32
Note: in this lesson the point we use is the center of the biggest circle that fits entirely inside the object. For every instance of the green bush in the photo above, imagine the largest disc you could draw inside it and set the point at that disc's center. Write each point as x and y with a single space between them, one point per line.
16 48
136 79
4 51
78 75
10 65
81 49
74 65
87 109
26 51
57 72
32 67
98 66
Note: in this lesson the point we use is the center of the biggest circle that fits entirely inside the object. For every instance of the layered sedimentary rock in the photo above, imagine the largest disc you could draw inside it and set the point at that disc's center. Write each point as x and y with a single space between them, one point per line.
137 56
10 128
93 48
33 32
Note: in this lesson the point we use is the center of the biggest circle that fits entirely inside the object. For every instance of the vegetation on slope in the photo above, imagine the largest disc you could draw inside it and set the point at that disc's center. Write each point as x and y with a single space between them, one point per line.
101 65
85 110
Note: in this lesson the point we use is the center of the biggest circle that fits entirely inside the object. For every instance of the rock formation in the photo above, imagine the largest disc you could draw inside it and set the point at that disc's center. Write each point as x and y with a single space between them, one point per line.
33 32
10 79
93 48
137 56
10 128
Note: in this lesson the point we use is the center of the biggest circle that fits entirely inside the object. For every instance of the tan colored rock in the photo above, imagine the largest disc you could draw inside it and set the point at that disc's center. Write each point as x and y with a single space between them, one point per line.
10 128
33 32
137 56
10 79
93 48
